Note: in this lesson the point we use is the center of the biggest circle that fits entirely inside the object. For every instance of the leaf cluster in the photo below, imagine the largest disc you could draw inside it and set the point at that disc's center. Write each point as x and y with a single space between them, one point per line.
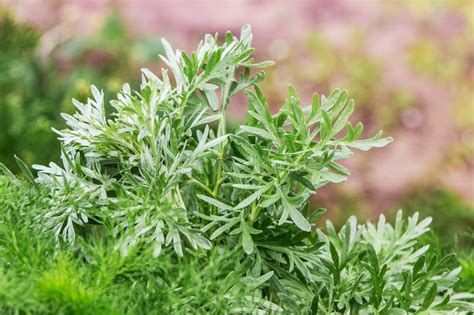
157 169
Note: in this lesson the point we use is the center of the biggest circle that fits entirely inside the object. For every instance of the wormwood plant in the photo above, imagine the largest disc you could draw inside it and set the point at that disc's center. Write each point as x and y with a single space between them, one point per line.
163 176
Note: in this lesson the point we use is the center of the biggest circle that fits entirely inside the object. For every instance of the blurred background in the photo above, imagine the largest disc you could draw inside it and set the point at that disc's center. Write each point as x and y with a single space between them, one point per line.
409 65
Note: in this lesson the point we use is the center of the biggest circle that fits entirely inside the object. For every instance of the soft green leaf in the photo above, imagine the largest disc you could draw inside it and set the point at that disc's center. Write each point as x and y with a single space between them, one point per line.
212 99
247 242
214 202
25 169
300 221
247 201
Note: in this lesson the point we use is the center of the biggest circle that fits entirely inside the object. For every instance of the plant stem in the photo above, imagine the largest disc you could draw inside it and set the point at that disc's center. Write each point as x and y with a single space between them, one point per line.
220 132
207 189
254 213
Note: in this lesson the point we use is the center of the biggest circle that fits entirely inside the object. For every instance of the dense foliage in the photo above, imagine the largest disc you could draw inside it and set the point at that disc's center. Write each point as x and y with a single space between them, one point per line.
159 208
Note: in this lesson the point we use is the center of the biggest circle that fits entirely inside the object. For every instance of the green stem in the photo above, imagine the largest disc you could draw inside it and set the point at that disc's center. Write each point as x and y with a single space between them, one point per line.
253 213
207 189
179 199
220 132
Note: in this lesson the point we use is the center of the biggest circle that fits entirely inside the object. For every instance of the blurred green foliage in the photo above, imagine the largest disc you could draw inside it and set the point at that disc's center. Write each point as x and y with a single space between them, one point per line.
466 260
29 98
453 218
33 91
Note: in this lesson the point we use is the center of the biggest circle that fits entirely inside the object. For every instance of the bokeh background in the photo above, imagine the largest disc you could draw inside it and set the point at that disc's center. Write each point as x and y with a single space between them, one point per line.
409 65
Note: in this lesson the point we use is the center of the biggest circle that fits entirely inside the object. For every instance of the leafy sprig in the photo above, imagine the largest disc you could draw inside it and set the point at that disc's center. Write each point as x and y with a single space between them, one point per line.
383 269
157 168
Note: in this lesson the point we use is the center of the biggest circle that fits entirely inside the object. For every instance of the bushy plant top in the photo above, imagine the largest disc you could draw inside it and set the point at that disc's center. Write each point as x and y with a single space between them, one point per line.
160 172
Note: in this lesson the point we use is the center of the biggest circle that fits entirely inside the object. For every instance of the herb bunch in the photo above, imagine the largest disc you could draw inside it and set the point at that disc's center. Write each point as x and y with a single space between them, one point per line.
158 170
163 175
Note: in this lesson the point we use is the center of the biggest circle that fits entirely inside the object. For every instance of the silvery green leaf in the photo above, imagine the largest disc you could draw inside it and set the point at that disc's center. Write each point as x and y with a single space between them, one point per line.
247 242
376 142
300 221
257 132
247 201
212 99
214 202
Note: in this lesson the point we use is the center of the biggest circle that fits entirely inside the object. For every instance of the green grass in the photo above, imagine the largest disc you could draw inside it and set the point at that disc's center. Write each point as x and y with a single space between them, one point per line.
93 278
466 259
